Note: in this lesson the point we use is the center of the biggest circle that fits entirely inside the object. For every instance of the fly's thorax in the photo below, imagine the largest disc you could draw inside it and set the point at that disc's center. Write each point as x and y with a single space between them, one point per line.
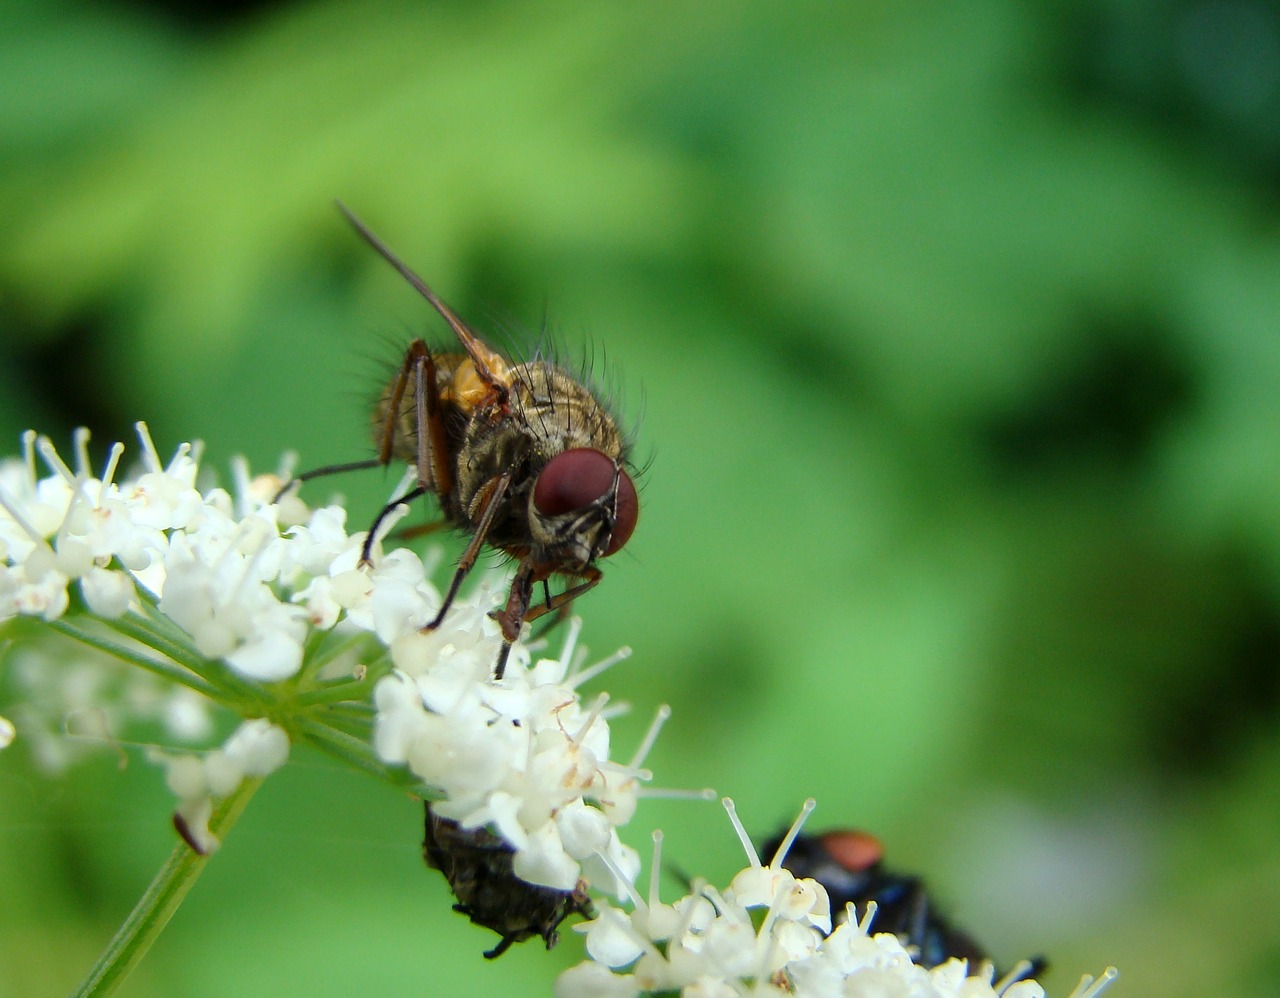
560 413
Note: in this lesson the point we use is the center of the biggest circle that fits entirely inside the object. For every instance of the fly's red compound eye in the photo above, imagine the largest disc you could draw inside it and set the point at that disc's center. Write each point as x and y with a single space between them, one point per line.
628 512
574 479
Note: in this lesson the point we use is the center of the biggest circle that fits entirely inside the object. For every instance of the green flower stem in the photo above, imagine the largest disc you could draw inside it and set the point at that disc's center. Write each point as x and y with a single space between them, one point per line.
167 670
161 900
332 646
311 657
217 673
149 610
358 753
347 689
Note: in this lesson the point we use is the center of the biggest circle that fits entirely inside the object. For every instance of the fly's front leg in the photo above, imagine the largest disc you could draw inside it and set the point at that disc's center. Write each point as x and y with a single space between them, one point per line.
511 618
591 577
519 612
491 497
559 617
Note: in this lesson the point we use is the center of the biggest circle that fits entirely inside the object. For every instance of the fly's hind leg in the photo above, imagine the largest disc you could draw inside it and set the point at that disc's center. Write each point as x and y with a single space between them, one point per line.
518 611
433 471
323 472
432 465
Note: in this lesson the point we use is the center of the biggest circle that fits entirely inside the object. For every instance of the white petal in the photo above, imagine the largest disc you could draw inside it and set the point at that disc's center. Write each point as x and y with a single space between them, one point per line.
545 862
107 593
258 747
583 829
610 939
185 776
590 980
222 773
271 657
188 716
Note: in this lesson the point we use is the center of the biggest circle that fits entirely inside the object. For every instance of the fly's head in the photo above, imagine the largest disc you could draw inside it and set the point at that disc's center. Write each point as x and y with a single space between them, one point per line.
583 503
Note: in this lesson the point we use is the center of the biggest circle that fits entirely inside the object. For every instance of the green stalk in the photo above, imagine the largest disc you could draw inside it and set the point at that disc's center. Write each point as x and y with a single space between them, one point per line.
336 692
213 671
166 670
357 752
154 909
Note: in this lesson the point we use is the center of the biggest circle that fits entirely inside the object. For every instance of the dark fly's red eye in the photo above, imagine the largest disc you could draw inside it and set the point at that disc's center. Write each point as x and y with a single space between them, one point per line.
628 513
574 479
854 851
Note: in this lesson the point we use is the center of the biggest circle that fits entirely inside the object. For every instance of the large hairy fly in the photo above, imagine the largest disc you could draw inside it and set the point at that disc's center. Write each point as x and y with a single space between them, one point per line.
521 456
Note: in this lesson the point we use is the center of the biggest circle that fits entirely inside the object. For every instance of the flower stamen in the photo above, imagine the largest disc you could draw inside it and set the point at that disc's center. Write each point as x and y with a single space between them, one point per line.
1090 988
49 454
109 471
580 678
11 508
780 856
646 743
753 857
151 457
80 442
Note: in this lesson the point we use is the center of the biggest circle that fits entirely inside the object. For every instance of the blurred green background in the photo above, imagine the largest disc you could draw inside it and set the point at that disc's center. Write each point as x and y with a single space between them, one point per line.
952 334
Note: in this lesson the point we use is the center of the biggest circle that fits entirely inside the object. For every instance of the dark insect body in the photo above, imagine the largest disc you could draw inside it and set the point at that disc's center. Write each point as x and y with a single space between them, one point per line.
849 864
521 456
478 866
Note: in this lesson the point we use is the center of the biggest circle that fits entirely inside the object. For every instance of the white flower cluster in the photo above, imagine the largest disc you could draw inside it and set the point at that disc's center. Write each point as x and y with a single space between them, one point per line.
246 593
249 583
524 756
709 945
210 567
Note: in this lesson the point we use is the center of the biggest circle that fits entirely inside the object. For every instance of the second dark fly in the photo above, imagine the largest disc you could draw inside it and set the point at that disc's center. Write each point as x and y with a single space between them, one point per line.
849 864
478 866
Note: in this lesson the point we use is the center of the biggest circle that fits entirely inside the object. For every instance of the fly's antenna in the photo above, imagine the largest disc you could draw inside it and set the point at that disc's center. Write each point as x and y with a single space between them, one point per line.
484 359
